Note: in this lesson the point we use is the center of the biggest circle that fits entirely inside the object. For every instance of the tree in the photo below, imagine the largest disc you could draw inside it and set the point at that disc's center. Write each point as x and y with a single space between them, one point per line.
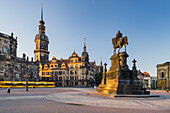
153 85
98 78
161 83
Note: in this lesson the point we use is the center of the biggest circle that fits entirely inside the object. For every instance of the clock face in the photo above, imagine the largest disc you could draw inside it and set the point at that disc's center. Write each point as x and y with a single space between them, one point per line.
42 37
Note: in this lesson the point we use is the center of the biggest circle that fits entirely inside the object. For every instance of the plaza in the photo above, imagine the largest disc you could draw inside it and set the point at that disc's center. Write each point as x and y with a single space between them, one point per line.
48 66
78 100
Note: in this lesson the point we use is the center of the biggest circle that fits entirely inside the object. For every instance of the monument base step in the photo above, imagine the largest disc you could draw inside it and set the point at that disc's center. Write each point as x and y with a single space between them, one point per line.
124 91
123 95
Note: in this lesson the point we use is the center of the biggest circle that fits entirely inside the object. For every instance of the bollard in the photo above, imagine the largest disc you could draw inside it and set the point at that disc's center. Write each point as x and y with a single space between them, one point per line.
8 90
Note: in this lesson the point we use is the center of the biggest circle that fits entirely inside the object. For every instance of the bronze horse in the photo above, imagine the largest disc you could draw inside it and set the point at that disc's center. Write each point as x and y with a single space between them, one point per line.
119 43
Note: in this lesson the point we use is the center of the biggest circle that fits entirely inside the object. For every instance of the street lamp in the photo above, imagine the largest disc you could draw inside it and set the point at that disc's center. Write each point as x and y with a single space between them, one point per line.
26 87
63 77
26 75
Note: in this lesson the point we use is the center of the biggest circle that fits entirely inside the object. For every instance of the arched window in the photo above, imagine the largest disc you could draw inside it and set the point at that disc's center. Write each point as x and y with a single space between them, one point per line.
4 50
162 75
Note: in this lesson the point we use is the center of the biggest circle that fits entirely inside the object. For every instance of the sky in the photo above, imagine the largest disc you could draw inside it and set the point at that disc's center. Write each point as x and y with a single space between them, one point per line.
146 23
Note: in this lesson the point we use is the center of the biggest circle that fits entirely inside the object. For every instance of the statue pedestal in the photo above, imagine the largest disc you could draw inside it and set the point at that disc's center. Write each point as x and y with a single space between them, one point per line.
120 79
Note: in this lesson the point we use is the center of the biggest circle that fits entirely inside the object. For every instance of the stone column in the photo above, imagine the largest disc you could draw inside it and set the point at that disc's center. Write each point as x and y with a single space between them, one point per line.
123 62
134 74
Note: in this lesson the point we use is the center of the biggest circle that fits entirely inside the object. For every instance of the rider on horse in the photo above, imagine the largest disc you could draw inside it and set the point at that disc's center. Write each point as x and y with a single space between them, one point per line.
118 35
119 42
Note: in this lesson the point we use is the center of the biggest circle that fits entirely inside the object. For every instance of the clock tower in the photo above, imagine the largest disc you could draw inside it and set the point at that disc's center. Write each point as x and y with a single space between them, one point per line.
41 40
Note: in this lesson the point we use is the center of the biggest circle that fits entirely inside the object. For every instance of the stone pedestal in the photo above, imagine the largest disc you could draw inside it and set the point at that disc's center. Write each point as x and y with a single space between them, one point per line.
120 79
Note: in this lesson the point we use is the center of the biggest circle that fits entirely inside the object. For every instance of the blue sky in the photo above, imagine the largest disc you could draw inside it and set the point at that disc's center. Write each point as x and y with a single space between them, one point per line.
145 23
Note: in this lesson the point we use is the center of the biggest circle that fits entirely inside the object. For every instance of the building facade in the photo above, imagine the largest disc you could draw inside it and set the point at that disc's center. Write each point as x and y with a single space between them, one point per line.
13 68
163 74
74 71
146 80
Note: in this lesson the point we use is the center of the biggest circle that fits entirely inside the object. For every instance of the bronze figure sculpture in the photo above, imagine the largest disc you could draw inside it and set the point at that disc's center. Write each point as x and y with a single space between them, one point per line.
120 79
119 41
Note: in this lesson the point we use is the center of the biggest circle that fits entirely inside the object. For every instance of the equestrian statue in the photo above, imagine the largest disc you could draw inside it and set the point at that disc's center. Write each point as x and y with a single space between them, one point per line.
119 41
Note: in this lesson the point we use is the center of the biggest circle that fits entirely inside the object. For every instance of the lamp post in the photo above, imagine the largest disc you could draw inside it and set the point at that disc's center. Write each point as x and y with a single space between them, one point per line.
26 87
63 77
105 73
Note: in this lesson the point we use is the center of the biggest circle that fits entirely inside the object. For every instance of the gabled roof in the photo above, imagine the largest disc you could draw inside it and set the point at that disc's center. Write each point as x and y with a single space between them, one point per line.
74 54
164 64
146 74
58 61
54 58
65 62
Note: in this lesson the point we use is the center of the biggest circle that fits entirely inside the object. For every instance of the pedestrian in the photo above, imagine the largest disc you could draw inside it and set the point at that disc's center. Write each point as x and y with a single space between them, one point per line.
167 90
8 90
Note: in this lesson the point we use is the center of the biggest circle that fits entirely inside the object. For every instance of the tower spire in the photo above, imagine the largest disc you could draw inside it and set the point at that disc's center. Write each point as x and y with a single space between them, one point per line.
41 40
84 48
41 11
41 26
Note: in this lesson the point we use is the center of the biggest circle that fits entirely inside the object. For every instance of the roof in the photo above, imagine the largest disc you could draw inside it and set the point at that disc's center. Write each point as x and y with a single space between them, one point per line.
54 58
7 36
41 36
58 61
65 61
74 54
146 74
92 64
164 64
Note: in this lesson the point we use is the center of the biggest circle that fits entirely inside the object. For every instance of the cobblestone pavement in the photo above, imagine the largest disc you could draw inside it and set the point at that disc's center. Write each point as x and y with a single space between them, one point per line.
77 100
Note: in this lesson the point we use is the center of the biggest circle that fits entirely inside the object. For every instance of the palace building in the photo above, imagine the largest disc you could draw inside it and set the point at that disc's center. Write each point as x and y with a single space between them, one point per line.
74 71
163 74
13 68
